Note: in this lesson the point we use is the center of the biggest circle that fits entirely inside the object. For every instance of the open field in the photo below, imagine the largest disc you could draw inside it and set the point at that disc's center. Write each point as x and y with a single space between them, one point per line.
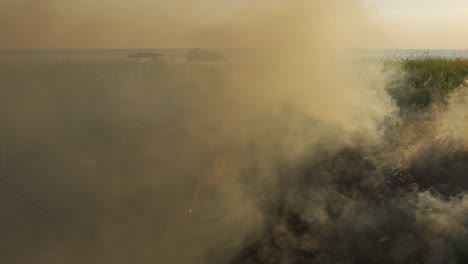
134 162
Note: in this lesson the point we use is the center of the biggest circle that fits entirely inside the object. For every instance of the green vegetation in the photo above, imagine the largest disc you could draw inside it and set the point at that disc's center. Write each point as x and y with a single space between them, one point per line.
420 81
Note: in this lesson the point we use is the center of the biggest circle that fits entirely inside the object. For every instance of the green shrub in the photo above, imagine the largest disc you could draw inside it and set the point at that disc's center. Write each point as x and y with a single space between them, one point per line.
423 80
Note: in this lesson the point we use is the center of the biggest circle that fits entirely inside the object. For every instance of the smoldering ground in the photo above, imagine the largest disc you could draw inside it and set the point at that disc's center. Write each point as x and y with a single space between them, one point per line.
294 155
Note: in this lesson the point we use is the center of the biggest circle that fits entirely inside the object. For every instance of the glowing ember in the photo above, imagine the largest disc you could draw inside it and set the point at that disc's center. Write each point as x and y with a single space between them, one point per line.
212 180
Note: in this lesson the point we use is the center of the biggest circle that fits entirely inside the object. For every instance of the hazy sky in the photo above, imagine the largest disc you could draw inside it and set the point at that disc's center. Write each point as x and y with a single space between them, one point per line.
161 23
423 23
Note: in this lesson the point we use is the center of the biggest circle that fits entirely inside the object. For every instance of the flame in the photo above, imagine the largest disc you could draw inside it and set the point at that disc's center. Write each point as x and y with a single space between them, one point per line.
212 181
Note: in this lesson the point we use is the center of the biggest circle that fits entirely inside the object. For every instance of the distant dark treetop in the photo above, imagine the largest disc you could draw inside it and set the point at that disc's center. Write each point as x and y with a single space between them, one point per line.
144 55
203 55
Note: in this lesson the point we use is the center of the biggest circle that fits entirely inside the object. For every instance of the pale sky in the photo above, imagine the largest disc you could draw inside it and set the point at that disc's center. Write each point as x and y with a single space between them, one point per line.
422 24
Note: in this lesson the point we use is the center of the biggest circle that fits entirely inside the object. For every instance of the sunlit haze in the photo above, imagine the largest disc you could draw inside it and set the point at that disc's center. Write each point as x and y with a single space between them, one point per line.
423 24
420 24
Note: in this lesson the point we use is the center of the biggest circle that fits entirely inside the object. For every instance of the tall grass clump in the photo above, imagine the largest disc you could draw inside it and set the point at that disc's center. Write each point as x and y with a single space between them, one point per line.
420 81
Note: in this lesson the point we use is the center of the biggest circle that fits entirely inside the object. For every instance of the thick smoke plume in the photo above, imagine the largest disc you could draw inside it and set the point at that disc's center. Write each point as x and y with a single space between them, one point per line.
288 152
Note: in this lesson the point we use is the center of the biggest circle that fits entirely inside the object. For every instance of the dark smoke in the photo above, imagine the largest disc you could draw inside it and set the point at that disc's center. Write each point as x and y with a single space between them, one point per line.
349 207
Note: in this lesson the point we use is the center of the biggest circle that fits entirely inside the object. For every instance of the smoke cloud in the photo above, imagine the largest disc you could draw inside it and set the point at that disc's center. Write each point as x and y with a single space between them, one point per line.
49 24
290 152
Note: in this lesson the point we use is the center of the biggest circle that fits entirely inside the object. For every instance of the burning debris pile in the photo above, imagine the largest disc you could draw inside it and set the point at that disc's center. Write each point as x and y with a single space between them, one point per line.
345 207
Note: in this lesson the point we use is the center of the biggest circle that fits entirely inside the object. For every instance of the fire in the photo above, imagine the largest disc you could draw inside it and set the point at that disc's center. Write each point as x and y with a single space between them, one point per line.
212 181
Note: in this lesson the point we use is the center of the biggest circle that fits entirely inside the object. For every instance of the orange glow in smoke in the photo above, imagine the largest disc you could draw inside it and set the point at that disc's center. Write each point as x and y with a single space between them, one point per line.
212 181
218 172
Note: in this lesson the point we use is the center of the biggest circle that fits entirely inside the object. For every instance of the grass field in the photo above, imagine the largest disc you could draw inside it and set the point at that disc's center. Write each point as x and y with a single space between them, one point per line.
423 80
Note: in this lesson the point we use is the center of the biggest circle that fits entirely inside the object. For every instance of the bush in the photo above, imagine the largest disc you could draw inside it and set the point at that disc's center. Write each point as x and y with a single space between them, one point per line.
422 80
